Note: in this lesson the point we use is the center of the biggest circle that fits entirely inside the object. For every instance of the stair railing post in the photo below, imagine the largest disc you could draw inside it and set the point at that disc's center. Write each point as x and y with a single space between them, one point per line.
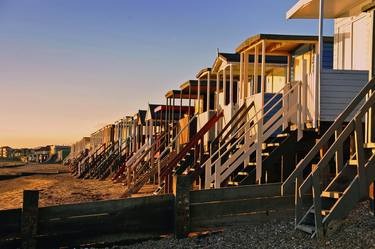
285 107
217 174
339 152
259 150
299 111
358 135
297 201
317 204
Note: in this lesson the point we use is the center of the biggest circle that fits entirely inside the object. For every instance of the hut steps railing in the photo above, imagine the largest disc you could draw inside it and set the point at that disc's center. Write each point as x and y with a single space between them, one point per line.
249 138
333 198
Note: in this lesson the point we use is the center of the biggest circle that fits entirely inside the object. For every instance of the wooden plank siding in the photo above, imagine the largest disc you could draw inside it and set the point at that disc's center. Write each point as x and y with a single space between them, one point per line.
337 89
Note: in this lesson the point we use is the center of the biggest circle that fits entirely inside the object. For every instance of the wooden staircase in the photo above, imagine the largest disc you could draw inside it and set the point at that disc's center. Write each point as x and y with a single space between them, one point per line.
141 166
327 189
74 162
272 150
191 155
87 169
242 155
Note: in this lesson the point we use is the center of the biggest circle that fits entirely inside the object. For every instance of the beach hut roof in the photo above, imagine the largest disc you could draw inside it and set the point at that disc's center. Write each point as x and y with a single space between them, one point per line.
277 43
309 9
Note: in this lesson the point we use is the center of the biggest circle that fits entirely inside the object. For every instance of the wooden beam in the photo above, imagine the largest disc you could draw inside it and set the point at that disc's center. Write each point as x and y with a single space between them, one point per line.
182 205
29 219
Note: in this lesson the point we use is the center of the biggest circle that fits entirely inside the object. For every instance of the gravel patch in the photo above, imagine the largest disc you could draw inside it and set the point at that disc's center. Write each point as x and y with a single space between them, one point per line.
357 231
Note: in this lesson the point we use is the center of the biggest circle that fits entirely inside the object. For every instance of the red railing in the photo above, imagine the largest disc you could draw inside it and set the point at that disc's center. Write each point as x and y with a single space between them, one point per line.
193 142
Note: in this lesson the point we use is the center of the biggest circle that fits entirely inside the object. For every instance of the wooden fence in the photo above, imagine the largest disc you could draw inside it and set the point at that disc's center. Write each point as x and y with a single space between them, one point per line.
86 223
206 209
141 218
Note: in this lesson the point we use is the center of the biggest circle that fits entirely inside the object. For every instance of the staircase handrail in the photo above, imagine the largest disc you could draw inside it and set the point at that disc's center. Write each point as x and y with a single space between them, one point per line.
195 140
92 155
288 183
137 154
170 145
242 108
251 105
254 123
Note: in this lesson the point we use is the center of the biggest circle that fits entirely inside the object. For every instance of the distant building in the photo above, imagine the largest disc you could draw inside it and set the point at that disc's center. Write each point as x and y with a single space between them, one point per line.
6 152
42 154
22 154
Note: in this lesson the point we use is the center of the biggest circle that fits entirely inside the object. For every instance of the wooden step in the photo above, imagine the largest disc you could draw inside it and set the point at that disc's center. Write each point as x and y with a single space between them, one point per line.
281 135
265 154
353 162
369 145
243 173
323 212
306 228
273 145
233 183
331 194
252 164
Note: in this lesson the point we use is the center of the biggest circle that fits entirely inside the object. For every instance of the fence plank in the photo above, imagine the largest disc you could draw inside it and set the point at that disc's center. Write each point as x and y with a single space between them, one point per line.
240 206
233 193
100 207
155 216
10 221
202 224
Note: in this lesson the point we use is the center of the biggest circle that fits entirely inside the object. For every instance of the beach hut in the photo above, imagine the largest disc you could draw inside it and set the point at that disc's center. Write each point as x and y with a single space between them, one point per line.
347 96
276 87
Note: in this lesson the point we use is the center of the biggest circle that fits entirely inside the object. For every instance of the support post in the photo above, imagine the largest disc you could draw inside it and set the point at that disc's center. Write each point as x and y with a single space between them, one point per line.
172 115
181 190
29 219
208 90
256 60
372 199
242 71
225 84
199 96
245 76
217 100
231 84
263 76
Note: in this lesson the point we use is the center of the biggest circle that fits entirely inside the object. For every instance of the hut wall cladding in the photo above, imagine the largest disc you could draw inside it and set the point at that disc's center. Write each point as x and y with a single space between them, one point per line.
337 89
108 134
97 139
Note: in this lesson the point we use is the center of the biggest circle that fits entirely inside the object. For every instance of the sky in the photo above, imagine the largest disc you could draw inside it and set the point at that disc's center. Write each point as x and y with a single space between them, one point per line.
69 67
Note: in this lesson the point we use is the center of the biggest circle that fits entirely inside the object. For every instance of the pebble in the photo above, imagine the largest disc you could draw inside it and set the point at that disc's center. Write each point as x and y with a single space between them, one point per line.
357 231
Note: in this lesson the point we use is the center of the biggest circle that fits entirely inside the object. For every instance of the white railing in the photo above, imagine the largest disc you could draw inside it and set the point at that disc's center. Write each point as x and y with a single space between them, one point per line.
254 132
